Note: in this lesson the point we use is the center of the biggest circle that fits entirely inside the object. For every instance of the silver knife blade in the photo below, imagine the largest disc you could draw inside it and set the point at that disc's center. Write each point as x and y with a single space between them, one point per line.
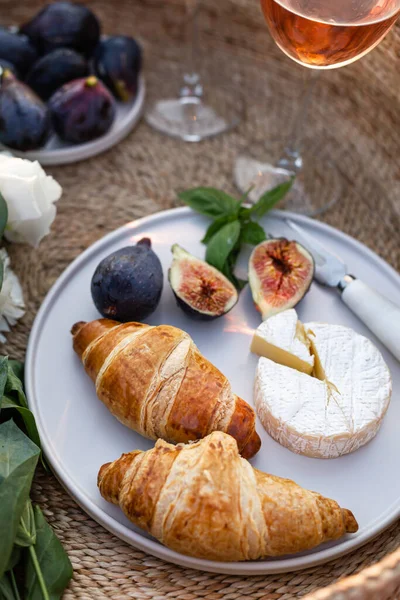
329 268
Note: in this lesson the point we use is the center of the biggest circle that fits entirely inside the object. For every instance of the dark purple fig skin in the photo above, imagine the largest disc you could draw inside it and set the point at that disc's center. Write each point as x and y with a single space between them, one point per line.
127 284
117 61
192 312
25 122
54 70
18 50
64 25
82 110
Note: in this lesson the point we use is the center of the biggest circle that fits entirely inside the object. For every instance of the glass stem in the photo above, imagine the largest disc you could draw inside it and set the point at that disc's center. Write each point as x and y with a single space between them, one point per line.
191 79
292 159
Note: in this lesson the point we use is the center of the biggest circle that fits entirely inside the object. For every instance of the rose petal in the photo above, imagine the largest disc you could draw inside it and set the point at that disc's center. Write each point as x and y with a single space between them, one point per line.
31 231
20 197
11 297
30 195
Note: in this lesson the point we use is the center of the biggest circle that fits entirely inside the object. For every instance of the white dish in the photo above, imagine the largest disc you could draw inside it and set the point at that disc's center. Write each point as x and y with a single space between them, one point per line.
79 434
57 152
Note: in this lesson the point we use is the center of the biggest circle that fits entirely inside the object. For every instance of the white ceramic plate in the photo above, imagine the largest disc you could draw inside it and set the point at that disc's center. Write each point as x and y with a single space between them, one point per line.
57 152
79 434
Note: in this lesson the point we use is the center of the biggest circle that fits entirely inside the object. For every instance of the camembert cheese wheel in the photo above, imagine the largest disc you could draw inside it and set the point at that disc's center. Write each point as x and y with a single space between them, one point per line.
337 408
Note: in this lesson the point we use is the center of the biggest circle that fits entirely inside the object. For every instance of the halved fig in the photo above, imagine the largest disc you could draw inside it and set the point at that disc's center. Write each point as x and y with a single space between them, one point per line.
280 274
201 291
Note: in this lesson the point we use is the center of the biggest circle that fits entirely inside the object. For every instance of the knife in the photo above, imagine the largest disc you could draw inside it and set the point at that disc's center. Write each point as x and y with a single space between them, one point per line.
378 313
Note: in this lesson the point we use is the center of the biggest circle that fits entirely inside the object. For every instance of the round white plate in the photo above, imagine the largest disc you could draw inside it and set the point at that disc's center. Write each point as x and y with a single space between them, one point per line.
79 434
57 152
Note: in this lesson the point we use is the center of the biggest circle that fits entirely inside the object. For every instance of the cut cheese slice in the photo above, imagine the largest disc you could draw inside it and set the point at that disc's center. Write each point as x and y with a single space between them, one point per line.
282 338
337 410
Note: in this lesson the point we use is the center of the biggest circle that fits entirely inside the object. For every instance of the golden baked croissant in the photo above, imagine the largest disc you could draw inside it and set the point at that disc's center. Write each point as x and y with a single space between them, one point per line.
204 500
155 381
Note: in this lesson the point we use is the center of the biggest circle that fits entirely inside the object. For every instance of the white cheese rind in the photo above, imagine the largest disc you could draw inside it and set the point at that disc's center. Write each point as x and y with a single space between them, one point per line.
326 419
281 339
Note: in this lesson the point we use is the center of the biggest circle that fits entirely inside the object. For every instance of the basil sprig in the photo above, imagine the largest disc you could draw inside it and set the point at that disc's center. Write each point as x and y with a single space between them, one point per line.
233 224
33 563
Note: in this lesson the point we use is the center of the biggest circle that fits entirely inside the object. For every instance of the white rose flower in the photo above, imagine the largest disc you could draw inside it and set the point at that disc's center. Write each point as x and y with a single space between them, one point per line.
11 298
30 195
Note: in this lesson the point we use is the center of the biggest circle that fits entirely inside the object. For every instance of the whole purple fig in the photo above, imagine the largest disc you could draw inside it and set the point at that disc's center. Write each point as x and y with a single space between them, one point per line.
55 69
117 60
82 110
17 49
64 25
25 122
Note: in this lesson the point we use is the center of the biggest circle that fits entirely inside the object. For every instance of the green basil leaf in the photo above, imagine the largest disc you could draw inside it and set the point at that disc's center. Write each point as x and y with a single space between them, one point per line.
3 375
222 244
209 202
244 214
215 227
14 388
252 233
27 416
53 562
270 198
26 532
18 459
3 215
229 274
6 589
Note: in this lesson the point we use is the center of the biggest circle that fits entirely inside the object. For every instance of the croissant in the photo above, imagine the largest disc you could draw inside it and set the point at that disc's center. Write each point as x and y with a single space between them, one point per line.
155 381
202 499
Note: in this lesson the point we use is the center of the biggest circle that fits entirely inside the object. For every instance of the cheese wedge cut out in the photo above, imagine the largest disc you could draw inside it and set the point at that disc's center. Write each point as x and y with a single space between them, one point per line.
335 410
282 338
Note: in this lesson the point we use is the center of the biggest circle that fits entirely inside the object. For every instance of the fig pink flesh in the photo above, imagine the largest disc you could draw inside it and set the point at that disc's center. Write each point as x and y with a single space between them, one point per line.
202 292
283 271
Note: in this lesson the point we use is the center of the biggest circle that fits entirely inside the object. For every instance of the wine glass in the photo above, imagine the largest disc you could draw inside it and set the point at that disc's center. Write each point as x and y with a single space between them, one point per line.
319 34
198 111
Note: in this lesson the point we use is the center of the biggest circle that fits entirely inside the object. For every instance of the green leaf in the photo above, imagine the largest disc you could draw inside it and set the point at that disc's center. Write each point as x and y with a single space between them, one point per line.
229 273
27 416
14 388
18 459
29 422
51 563
3 375
18 368
3 215
270 198
216 226
252 233
26 533
222 244
210 202
6 589
14 558
1 274
244 214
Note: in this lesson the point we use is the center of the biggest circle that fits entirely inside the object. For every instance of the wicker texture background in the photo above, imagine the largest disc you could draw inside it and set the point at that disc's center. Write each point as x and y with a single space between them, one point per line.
356 115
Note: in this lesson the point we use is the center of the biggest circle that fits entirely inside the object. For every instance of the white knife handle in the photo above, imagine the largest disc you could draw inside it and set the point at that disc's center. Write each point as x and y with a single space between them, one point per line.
378 313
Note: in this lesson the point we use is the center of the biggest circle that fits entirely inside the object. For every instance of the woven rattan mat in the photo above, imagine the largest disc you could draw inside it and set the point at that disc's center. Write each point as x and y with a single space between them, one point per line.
355 116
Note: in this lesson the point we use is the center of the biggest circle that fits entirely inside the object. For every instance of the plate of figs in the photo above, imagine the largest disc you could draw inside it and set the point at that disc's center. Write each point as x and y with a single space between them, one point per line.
67 92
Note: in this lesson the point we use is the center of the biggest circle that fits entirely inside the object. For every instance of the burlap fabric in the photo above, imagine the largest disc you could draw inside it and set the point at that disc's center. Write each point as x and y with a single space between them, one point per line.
355 115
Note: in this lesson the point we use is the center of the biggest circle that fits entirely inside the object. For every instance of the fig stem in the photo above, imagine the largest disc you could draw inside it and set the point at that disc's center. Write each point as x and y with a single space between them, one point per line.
144 242
91 81
4 73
